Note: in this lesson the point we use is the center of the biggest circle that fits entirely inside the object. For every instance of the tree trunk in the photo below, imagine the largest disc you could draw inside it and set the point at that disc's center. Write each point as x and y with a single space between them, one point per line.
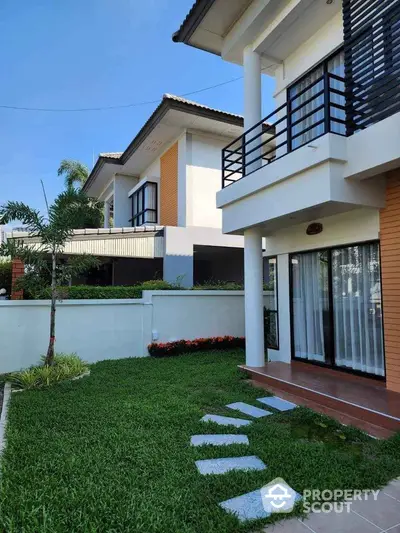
50 351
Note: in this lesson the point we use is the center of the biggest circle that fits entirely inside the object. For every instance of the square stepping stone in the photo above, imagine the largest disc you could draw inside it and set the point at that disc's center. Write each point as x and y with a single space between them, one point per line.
246 507
221 466
218 440
226 420
277 403
248 409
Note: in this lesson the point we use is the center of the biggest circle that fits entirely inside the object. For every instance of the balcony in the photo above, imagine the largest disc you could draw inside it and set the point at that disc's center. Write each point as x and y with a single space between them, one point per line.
315 110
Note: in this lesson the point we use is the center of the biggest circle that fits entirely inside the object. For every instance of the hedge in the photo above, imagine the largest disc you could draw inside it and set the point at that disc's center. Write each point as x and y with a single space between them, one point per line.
169 349
5 275
118 292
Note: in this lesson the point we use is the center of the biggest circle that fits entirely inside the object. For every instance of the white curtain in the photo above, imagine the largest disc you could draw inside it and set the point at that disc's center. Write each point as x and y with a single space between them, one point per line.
150 202
310 303
336 66
316 102
357 309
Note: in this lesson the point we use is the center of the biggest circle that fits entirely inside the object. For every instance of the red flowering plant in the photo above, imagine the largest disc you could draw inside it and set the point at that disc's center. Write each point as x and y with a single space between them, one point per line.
168 349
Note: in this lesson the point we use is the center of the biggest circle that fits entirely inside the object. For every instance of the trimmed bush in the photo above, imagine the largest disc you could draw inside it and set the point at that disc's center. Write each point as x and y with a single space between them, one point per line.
169 349
66 366
5 275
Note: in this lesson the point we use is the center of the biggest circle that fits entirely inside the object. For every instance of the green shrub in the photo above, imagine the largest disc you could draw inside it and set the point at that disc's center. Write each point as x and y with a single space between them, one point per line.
219 286
5 275
66 366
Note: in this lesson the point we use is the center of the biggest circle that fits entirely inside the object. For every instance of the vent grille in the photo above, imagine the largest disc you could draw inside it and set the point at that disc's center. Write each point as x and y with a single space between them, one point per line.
372 61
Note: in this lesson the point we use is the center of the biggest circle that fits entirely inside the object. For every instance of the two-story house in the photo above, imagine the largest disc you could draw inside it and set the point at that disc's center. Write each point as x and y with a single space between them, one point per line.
324 188
160 213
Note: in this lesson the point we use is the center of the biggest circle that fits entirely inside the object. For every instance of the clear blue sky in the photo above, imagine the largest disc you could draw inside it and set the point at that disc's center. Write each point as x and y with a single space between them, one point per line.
88 53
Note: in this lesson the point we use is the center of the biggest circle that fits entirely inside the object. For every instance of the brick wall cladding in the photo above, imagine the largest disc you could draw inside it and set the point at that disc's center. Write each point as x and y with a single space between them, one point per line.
169 187
390 261
17 272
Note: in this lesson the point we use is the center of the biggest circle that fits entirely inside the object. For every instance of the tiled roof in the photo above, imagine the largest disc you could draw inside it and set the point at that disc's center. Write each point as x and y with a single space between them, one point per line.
196 13
201 106
112 155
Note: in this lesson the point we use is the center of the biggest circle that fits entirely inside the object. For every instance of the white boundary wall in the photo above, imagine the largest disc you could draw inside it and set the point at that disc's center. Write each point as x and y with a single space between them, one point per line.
114 329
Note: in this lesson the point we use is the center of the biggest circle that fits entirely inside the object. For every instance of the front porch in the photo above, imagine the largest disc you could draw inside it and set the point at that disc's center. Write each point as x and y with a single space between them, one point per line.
352 400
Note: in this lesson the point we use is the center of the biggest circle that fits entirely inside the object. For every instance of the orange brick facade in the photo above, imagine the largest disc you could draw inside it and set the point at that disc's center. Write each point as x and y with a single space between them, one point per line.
390 261
17 272
169 187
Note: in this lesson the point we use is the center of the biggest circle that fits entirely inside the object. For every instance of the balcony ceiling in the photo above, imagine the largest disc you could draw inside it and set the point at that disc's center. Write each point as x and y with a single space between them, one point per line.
276 28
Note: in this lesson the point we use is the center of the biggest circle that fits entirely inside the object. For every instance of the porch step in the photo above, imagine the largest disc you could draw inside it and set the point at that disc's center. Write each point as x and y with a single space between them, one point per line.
353 396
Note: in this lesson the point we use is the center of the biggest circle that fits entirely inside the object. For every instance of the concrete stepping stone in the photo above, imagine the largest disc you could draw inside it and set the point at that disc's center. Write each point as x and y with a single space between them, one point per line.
226 420
221 466
246 507
248 409
218 440
277 403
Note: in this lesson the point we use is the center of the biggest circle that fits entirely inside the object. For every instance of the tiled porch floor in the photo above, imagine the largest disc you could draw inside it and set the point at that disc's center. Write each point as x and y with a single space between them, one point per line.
359 401
382 515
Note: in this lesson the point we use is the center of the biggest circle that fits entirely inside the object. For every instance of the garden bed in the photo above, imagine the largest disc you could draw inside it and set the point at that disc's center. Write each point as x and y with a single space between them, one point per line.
112 453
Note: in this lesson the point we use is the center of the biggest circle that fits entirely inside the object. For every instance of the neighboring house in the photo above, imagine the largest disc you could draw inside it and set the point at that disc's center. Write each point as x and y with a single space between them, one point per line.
324 190
160 213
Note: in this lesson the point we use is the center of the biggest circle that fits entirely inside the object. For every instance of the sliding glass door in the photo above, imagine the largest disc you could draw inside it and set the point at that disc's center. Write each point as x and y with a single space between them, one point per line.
357 309
310 305
337 309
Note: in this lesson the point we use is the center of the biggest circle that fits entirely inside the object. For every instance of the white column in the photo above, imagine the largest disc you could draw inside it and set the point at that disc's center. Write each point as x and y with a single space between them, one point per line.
106 213
252 103
254 307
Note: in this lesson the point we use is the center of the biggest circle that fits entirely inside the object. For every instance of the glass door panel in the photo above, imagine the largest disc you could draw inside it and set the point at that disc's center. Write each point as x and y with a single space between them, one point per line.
310 305
357 309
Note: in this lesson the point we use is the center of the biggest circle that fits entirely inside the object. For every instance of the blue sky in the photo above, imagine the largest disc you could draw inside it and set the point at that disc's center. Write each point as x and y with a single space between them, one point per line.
88 53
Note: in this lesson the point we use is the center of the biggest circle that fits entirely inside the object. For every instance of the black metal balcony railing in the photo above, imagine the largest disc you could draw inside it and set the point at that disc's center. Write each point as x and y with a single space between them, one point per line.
315 110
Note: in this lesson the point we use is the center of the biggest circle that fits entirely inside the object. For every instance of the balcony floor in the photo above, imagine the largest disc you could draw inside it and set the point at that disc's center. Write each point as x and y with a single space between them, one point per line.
362 402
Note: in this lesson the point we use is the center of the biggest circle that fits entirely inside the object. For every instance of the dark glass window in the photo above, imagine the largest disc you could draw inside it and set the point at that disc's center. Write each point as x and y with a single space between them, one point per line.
271 330
144 205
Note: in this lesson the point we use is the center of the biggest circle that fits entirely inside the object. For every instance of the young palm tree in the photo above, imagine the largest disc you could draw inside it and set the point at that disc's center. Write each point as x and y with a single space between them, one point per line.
74 172
50 236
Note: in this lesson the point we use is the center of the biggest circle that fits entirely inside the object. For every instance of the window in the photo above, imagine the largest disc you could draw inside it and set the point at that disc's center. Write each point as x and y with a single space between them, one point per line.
307 101
271 331
144 205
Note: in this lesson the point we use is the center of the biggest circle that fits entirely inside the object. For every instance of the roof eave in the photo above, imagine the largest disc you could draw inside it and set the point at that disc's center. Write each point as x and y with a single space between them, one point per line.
192 21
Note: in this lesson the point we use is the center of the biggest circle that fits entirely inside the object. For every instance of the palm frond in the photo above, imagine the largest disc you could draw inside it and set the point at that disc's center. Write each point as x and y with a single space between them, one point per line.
74 172
31 218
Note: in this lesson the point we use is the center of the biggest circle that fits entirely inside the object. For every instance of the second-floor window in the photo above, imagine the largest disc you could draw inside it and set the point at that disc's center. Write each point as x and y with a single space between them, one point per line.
144 205
307 95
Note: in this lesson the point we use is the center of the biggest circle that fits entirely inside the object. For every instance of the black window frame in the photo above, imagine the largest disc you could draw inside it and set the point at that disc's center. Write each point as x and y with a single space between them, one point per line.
269 312
139 218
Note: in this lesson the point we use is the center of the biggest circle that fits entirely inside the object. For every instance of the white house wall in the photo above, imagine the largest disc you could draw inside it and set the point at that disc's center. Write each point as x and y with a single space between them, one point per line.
204 170
122 202
325 41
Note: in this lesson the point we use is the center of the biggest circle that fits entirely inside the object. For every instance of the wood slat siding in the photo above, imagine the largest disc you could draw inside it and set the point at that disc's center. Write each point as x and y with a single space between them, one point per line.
169 187
390 262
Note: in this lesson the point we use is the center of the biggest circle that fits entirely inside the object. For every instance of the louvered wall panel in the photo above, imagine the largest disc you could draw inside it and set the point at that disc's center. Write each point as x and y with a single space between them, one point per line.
372 61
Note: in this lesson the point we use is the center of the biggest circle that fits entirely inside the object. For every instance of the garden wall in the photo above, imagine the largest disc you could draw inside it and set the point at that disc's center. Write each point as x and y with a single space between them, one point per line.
113 329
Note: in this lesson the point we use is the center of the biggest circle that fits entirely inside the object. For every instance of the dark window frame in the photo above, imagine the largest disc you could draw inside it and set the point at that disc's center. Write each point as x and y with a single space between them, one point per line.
275 312
139 216
331 349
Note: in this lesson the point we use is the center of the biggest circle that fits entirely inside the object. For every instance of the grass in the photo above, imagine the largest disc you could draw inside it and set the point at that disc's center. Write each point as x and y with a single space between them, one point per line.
111 452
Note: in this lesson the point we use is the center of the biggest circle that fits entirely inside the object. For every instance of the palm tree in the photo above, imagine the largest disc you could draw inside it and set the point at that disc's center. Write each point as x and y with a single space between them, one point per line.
74 172
68 212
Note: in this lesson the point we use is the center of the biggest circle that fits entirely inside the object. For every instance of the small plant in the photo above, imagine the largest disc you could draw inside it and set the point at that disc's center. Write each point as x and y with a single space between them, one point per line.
169 349
64 367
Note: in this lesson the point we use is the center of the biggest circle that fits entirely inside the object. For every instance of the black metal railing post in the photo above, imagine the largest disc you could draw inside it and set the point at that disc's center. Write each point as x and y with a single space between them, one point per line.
327 102
243 155
289 125
223 167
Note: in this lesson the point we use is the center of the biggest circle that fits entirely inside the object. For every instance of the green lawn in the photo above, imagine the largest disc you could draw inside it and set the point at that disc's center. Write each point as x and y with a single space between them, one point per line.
110 453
